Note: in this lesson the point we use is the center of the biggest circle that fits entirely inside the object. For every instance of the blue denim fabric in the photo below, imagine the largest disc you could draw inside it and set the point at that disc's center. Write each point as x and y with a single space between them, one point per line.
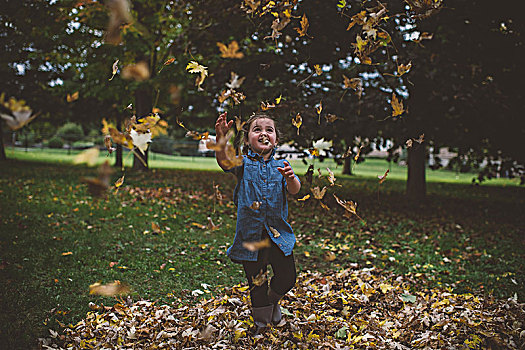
259 180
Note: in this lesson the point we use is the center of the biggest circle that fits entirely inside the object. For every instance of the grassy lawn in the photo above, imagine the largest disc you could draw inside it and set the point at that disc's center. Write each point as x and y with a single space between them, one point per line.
370 168
56 240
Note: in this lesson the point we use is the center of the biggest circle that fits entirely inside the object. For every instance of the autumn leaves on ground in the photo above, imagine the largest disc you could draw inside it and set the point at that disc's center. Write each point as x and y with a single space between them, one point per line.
446 272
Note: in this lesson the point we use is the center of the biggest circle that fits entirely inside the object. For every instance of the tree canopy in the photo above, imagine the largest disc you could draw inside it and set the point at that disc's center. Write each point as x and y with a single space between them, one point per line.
361 74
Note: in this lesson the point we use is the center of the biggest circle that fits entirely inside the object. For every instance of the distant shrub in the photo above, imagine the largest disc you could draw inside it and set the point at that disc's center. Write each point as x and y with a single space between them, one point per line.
162 144
82 145
70 132
55 142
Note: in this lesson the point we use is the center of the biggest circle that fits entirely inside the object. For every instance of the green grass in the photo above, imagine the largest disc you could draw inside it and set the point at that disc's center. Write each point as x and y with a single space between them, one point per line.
371 167
463 237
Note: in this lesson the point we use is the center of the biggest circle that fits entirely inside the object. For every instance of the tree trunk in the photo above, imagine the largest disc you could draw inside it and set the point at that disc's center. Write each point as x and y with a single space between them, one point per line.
416 185
2 148
347 166
143 106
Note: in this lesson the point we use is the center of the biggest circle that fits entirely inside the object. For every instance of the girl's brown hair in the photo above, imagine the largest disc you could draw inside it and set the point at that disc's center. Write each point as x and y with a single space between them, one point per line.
240 139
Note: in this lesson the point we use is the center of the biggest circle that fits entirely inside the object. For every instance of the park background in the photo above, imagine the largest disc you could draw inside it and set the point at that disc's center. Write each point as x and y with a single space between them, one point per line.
428 90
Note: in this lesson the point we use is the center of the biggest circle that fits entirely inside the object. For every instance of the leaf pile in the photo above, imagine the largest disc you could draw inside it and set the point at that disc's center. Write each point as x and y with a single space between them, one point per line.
353 308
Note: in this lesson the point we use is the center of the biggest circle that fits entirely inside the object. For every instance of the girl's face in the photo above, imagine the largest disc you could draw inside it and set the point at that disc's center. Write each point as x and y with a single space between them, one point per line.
262 136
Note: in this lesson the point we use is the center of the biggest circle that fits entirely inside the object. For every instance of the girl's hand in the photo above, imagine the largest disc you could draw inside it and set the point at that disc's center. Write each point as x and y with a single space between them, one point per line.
287 171
222 126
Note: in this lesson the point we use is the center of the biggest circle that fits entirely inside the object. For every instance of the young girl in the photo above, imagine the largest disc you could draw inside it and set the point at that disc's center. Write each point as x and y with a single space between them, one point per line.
262 212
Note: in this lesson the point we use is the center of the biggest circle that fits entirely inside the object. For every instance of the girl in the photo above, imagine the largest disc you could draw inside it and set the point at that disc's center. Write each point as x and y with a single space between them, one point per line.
262 211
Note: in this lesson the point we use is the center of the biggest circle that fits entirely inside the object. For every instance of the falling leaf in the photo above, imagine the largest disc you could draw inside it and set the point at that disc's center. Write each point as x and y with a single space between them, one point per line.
211 225
330 118
297 122
141 140
110 289
319 109
235 81
331 177
108 144
119 14
266 106
322 146
258 245
119 182
349 206
99 185
155 228
304 198
356 157
397 106
318 193
318 69
278 99
72 97
304 26
329 256
230 51
355 84
403 69
195 67
383 178
114 70
169 61
137 72
88 156
121 138
18 118
358 18
261 278
274 232
324 206
67 253
255 205
409 143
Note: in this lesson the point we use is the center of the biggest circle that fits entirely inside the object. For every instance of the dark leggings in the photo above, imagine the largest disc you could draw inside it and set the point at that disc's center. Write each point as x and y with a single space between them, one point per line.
284 274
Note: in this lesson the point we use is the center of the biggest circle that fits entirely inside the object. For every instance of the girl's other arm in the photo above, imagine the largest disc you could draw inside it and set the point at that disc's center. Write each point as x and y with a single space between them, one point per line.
292 182
221 128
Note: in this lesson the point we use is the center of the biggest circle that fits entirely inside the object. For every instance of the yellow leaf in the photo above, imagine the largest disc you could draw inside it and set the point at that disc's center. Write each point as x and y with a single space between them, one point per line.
72 97
402 69
397 106
304 198
318 193
304 26
195 67
67 253
278 99
88 156
110 289
307 254
297 122
119 182
274 232
230 51
318 69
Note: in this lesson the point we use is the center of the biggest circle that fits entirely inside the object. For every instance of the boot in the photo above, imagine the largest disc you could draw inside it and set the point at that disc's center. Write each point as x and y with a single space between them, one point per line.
261 317
274 298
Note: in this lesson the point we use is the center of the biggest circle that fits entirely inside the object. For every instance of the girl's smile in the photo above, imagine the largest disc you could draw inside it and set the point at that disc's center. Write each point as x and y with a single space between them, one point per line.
262 137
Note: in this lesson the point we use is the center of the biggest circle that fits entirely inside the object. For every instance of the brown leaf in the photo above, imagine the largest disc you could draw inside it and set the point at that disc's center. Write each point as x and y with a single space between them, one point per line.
258 245
110 289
